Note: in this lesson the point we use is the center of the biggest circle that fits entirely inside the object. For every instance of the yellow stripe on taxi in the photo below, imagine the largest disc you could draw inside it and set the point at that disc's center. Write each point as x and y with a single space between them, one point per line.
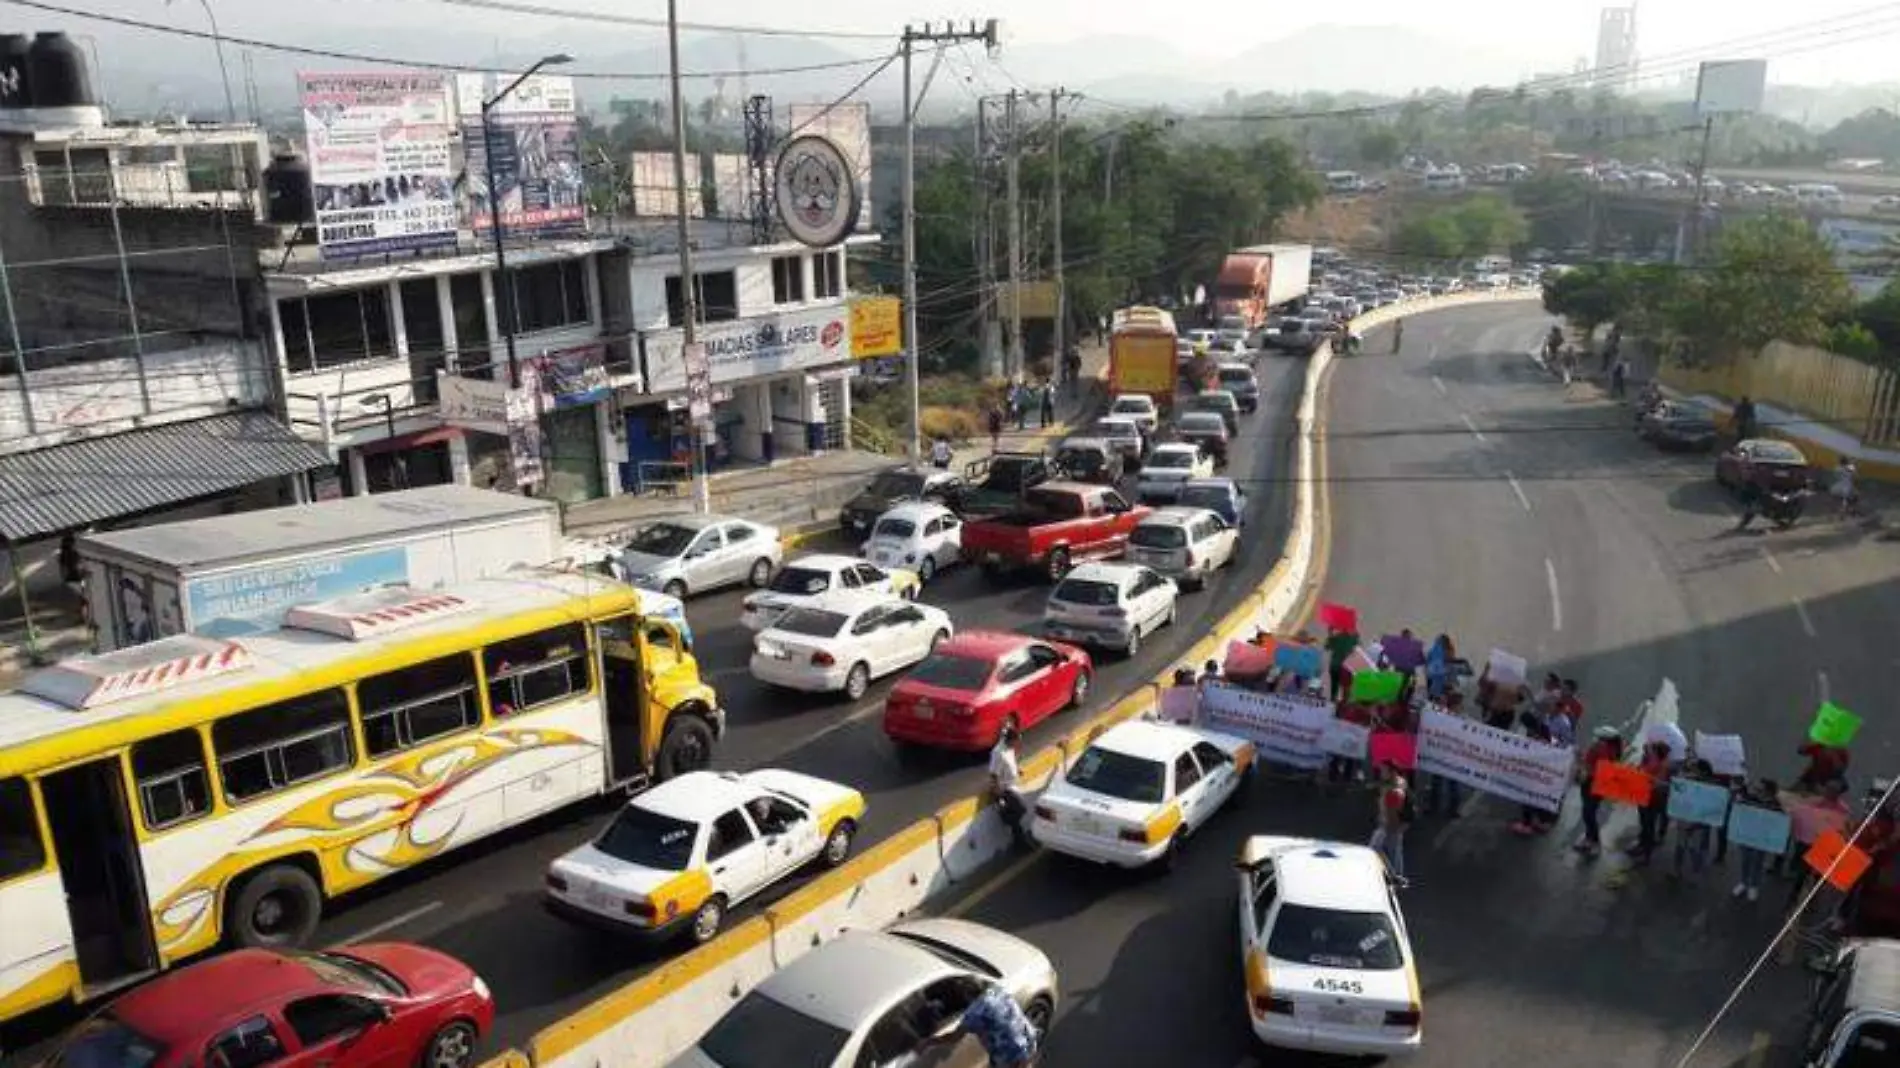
1163 824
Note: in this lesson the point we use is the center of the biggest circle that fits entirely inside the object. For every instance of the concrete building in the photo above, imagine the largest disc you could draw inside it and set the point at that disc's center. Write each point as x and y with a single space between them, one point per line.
1616 49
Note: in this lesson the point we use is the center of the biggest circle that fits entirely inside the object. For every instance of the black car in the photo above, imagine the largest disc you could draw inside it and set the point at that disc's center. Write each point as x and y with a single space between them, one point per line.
892 488
1089 460
1679 425
1206 429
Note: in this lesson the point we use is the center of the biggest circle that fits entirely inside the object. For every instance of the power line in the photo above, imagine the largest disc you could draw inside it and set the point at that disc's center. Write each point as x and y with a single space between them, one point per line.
658 23
388 61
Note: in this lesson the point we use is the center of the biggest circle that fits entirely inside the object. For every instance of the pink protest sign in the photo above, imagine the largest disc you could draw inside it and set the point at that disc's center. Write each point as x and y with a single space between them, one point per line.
1810 819
1339 617
1247 661
1179 703
1393 747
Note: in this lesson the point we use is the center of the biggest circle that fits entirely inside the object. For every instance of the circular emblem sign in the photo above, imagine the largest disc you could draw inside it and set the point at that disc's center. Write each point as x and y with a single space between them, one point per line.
817 192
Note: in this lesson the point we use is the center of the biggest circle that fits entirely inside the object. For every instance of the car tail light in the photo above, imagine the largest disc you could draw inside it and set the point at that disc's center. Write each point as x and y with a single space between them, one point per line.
1044 812
823 659
1137 835
1190 558
1402 1018
965 711
557 883
1264 1004
642 910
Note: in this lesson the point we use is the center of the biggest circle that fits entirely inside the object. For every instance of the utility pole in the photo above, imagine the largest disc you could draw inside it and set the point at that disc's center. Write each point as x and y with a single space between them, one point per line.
689 283
990 353
1055 197
1012 166
947 34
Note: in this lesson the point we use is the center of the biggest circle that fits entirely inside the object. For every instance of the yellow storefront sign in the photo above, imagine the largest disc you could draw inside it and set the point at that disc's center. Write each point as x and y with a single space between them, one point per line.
877 327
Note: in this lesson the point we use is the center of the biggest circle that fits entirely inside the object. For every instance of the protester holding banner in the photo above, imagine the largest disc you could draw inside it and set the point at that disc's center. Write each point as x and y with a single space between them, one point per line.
1825 764
1442 792
1608 746
1655 766
1341 768
1394 815
1812 816
1340 644
1763 796
1693 837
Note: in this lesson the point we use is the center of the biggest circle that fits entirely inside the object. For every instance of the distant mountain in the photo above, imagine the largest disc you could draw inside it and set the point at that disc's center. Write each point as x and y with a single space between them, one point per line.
1373 59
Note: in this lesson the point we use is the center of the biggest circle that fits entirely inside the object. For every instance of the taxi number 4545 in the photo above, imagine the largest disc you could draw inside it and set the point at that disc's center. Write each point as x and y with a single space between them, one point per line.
1339 986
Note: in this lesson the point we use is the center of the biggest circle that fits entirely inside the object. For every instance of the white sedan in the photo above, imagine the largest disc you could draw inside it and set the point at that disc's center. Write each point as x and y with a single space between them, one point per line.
1112 606
1169 467
1328 965
1138 791
808 577
841 641
920 536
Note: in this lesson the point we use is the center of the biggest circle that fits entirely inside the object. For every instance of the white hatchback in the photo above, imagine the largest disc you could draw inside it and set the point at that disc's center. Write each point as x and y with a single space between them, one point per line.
1169 467
809 577
919 536
1328 964
1185 544
1137 406
840 642
1111 606
1138 791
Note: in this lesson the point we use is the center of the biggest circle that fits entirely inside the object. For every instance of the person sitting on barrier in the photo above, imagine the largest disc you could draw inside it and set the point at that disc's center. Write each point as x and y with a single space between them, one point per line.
1004 773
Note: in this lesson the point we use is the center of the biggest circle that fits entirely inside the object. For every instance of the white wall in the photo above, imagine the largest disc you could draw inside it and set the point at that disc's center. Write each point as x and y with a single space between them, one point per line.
92 399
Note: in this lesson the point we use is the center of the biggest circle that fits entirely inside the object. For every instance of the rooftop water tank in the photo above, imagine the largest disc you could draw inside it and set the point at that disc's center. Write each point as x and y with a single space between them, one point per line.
15 87
287 190
56 73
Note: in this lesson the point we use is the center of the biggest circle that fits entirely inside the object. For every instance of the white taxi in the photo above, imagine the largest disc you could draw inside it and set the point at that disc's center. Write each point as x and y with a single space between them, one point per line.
817 574
1109 606
678 857
1186 544
844 639
1328 965
920 536
1138 791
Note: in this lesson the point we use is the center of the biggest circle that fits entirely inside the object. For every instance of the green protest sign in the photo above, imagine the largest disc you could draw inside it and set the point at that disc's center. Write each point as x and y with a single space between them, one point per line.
1834 725
1377 687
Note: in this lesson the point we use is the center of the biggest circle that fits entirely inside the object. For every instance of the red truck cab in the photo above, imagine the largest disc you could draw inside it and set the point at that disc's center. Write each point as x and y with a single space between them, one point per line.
1058 524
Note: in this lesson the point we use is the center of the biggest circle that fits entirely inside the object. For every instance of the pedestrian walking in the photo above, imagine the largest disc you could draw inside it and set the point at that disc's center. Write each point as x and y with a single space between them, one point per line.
1743 419
1607 745
1072 369
1398 336
1619 377
1048 404
1019 405
998 1024
996 428
940 453
1754 862
1395 814
1005 772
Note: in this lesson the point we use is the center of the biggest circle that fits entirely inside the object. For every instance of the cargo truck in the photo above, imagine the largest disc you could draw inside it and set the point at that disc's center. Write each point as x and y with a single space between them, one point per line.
1142 354
1287 274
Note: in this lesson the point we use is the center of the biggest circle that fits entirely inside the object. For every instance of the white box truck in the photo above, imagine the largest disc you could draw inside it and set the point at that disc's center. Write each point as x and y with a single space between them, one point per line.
237 574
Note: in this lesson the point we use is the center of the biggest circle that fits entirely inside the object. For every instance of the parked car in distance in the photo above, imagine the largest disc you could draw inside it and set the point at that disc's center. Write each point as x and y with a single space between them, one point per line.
1679 425
879 998
1139 407
1207 430
1137 792
1059 524
1122 435
1090 460
368 1004
965 692
1239 380
688 554
1222 496
676 859
1773 466
1169 467
919 536
1109 606
816 574
842 641
1184 544
1218 401
891 488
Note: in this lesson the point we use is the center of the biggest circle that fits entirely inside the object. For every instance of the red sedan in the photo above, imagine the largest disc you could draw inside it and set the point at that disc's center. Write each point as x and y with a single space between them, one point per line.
370 1006
977 683
1773 466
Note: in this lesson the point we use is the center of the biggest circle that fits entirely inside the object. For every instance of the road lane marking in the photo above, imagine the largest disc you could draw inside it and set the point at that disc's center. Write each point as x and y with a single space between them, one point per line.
997 882
1518 488
1807 621
1473 427
1556 601
391 923
857 715
1773 564
1440 383
1820 678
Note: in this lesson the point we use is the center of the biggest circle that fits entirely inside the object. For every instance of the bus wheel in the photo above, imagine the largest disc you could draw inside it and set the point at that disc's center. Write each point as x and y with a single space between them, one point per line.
687 746
276 907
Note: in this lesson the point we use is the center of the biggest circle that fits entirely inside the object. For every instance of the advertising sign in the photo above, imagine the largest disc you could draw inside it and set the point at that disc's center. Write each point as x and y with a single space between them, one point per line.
533 137
255 599
848 126
877 327
380 173
1730 85
524 426
1286 727
572 378
817 191
1511 766
744 348
472 403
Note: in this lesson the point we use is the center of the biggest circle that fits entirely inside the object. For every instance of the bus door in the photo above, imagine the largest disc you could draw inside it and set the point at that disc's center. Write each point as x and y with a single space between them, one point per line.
98 853
623 696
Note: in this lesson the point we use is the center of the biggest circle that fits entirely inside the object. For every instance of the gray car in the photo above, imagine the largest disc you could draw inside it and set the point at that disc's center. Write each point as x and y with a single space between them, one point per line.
879 998
688 554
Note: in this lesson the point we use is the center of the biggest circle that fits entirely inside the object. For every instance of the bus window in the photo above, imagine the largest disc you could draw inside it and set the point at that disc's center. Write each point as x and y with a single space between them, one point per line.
173 784
21 850
536 669
278 746
416 704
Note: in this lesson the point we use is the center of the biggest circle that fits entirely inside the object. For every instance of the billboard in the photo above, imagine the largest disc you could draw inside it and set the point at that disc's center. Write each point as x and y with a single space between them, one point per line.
380 173
535 142
761 345
654 189
849 127
877 326
1730 85
732 187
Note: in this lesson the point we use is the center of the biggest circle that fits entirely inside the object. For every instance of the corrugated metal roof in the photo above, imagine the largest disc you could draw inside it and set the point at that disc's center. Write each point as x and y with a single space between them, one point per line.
70 486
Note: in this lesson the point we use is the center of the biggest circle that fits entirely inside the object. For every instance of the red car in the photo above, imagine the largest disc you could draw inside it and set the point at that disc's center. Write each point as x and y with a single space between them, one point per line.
370 1006
1773 466
975 684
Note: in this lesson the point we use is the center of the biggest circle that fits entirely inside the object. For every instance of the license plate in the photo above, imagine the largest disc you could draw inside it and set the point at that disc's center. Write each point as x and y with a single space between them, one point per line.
994 558
598 899
924 712
1089 825
1337 1014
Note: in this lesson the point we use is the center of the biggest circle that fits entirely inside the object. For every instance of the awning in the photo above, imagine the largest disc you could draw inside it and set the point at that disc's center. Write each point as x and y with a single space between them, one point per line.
70 486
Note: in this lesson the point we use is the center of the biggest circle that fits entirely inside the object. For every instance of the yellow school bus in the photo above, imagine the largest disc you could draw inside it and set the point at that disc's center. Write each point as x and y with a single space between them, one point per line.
159 800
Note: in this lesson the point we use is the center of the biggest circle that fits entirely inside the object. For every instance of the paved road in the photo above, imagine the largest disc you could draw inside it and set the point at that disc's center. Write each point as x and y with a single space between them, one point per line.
1460 526
483 905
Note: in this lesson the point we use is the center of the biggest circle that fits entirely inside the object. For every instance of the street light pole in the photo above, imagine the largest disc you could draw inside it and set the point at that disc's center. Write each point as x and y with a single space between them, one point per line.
217 43
494 211
689 285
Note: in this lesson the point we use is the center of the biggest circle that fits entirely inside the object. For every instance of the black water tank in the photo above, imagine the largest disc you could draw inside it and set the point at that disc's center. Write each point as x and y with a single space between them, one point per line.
56 73
15 88
287 190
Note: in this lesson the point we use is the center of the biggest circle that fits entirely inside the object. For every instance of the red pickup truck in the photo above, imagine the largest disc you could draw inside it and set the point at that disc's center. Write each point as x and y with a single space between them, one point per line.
1058 524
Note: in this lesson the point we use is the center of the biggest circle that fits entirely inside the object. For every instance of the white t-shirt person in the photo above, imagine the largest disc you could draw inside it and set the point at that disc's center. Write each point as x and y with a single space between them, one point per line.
1003 769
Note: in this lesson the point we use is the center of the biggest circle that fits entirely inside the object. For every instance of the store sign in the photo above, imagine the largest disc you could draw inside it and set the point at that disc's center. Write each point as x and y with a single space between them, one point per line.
532 141
472 403
877 327
524 426
748 348
571 378
817 192
381 176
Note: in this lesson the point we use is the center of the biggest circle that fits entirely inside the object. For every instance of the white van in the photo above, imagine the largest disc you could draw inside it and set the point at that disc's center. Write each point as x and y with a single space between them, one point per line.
1344 182
1818 195
1444 181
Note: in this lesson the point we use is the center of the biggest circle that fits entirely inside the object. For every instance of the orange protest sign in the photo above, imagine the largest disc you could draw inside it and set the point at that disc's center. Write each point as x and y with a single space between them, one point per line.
1848 862
1620 783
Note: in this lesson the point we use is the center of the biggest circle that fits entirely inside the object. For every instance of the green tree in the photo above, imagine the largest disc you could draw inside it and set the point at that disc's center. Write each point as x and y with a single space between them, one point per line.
1881 316
1586 296
1489 224
1380 148
1773 278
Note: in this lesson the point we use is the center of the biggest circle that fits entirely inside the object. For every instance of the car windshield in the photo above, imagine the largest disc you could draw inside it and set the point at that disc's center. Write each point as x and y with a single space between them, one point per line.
1202 423
1115 428
901 529
896 484
1132 406
1086 592
339 970
1175 458
1159 536
662 539
811 623
1112 774
760 1032
1324 938
800 581
951 672
1238 376
1204 497
648 839
1776 452
104 1042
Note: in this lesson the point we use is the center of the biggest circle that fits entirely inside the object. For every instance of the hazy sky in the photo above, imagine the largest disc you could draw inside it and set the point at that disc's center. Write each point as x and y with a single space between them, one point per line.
1813 42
